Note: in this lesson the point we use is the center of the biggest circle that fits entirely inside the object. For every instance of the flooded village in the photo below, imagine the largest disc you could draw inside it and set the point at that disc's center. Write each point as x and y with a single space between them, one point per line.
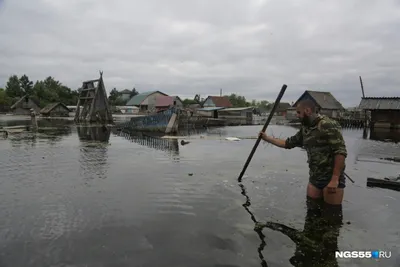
152 182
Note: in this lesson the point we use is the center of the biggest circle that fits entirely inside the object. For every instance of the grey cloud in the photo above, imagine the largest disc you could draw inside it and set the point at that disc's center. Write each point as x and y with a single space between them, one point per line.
188 47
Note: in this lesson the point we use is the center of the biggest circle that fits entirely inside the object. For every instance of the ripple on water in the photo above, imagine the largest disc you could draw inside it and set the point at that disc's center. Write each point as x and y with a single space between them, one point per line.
147 202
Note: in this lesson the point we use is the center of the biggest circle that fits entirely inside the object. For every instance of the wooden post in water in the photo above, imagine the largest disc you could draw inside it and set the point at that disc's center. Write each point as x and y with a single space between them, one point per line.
365 111
34 123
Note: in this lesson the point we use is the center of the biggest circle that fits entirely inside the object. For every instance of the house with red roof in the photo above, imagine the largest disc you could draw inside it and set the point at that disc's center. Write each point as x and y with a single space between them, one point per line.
217 101
164 102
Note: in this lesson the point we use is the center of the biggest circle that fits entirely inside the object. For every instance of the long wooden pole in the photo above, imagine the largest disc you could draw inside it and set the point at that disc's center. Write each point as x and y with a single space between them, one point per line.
278 99
365 111
362 87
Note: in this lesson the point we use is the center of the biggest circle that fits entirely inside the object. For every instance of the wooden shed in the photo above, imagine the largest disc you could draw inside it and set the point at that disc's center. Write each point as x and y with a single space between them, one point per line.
325 102
24 105
55 110
385 111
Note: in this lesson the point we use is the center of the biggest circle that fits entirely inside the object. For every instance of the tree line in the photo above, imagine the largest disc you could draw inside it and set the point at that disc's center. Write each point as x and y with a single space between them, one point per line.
47 91
51 90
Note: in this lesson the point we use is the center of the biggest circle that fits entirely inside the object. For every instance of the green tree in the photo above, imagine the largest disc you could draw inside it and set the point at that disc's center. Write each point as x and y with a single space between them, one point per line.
50 91
115 97
238 101
26 85
5 101
13 87
186 102
133 92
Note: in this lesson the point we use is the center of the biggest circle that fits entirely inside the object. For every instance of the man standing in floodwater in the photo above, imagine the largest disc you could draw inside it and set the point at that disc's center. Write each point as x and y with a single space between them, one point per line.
322 138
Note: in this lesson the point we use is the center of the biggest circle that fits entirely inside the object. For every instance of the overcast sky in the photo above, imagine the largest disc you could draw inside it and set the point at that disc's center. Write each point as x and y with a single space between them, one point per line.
185 47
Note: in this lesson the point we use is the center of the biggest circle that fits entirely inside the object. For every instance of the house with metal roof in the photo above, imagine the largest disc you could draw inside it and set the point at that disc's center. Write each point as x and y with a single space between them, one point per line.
145 101
164 102
385 111
326 104
217 101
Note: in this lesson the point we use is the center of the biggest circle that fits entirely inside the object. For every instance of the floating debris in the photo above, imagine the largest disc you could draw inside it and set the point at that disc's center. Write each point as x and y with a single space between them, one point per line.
232 139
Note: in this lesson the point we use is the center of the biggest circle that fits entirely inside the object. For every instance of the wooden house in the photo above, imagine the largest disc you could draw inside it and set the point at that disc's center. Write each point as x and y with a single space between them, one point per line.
217 101
385 111
55 110
165 102
24 106
146 101
326 104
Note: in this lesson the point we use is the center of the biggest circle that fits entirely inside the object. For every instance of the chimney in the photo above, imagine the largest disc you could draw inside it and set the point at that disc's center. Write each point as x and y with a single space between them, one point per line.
220 92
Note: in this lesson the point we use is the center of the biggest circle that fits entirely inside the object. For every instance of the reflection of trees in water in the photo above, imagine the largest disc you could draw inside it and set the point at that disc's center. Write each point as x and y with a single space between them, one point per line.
50 135
168 145
317 243
94 146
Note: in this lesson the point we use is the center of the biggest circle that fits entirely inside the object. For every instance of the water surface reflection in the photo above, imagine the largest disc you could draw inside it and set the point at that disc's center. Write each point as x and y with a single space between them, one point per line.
317 242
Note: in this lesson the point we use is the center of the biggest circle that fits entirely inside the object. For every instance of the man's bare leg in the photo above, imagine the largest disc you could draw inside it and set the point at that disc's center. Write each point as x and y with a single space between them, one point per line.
313 192
335 198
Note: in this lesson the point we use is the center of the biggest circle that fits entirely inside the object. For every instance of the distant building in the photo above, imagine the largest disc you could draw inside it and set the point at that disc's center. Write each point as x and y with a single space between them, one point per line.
165 102
126 94
211 112
326 104
146 101
237 116
126 109
55 110
24 105
385 111
217 101
282 108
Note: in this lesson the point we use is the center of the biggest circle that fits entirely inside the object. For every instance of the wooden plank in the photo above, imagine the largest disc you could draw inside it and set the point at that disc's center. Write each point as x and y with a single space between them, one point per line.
91 81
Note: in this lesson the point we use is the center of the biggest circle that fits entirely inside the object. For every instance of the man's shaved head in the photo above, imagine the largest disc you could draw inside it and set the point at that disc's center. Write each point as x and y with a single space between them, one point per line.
306 111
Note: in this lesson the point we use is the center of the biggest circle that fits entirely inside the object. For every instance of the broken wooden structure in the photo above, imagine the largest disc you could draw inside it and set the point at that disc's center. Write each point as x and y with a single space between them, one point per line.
94 103
392 183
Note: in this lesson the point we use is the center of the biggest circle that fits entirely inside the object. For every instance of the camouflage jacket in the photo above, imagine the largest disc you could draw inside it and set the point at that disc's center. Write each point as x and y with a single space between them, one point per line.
322 140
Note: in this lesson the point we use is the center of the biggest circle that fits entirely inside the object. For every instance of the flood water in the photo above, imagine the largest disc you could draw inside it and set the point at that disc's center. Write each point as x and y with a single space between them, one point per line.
88 197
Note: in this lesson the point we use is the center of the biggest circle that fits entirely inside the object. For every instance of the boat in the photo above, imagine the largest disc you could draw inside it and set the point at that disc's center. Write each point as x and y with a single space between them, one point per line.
166 121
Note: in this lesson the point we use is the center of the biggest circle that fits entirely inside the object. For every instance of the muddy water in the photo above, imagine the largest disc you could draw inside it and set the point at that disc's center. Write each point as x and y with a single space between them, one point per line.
87 197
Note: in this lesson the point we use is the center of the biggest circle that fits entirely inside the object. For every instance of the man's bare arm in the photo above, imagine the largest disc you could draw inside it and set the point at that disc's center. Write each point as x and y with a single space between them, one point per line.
339 165
288 143
275 141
